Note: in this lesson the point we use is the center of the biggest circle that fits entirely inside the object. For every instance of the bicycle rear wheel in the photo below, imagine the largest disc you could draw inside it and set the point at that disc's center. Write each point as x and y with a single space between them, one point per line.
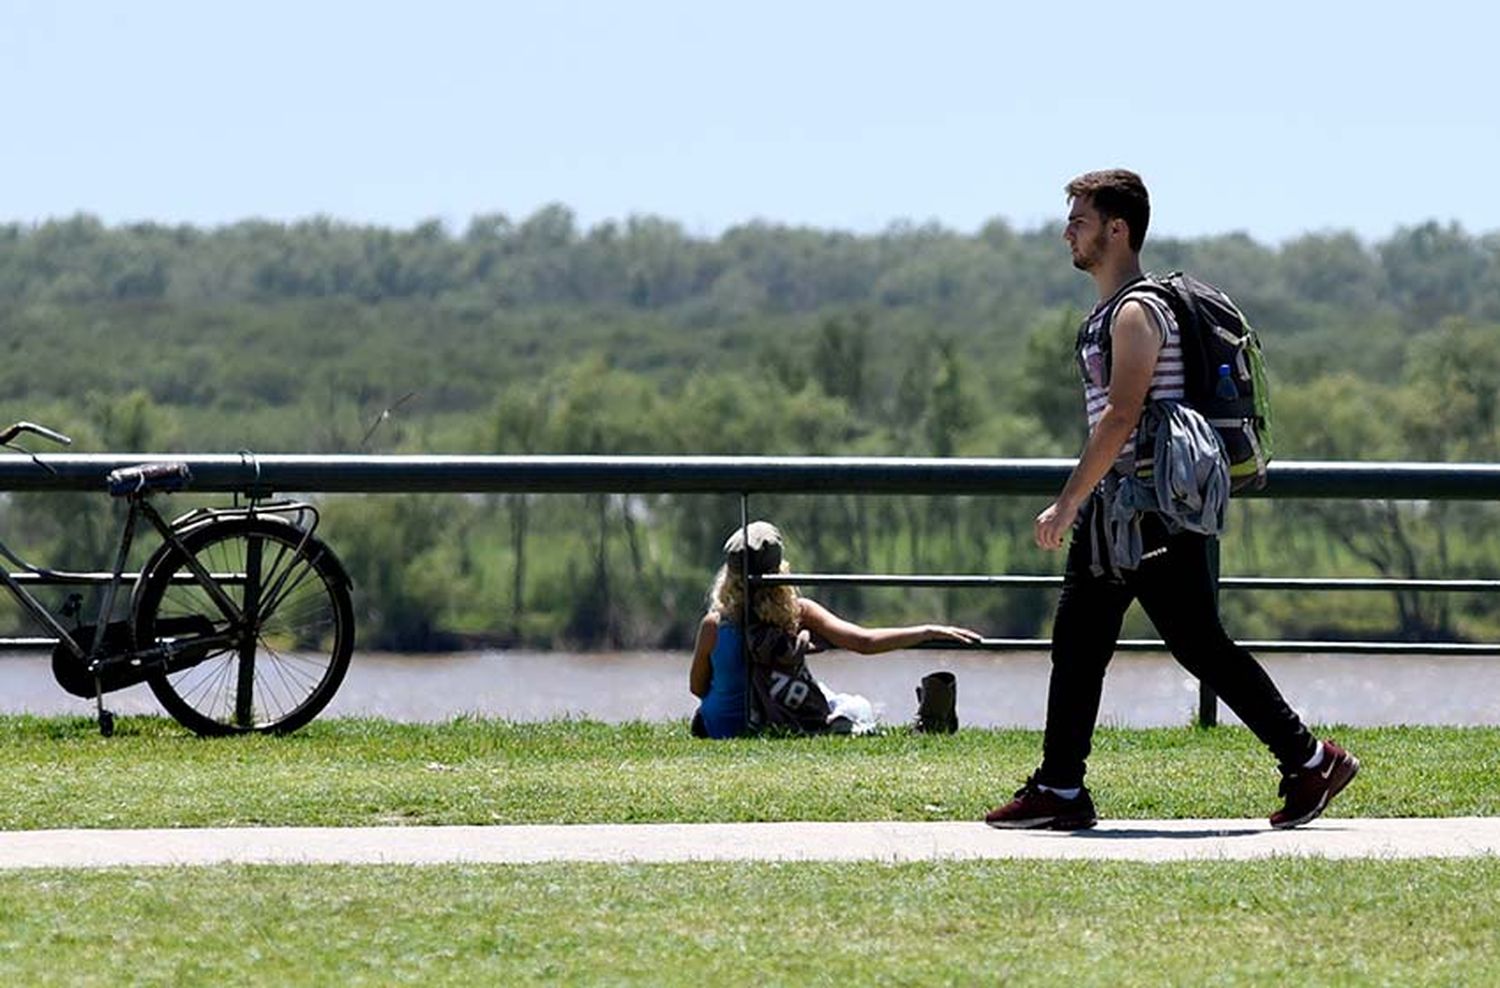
279 664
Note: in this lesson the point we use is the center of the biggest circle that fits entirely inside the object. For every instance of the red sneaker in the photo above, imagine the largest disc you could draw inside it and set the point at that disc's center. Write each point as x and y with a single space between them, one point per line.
1035 808
1308 790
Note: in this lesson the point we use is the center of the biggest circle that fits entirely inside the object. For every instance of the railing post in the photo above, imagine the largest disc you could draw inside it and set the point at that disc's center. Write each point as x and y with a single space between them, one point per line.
745 618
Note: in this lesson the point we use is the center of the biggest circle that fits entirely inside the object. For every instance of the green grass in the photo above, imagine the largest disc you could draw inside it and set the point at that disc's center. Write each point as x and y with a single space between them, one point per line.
1022 922
59 773
1308 922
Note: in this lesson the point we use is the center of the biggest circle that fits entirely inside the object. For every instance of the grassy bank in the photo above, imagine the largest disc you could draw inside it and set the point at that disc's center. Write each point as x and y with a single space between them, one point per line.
58 772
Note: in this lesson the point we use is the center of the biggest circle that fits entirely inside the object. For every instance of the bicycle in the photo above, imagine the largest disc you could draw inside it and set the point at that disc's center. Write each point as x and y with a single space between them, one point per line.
240 621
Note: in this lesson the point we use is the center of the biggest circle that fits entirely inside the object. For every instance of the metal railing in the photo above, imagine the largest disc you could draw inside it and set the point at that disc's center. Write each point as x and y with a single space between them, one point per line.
253 474
250 473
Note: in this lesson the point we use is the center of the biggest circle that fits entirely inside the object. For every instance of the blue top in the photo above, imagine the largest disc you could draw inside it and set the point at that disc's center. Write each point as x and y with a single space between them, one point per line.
723 709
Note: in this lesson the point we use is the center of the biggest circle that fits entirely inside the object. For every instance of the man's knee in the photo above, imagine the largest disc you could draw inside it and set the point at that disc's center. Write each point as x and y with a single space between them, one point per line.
1206 652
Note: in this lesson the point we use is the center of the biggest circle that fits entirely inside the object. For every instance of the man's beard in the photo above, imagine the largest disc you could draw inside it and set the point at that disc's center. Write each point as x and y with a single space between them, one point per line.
1087 258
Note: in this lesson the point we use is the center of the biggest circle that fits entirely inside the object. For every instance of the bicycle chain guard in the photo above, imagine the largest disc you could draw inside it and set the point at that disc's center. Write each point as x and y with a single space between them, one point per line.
122 666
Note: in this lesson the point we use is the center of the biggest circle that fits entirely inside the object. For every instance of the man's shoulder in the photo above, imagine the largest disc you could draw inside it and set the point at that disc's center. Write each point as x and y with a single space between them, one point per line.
1144 309
1132 313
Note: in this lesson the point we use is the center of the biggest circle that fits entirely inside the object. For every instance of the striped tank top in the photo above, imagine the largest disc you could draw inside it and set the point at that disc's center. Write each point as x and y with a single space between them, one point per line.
1167 380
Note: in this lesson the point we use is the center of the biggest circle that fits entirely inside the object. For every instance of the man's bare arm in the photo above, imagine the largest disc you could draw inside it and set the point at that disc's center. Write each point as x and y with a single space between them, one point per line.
1135 346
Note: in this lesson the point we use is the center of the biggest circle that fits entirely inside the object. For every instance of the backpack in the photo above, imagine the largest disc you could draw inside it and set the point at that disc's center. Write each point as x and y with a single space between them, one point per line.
783 694
1224 371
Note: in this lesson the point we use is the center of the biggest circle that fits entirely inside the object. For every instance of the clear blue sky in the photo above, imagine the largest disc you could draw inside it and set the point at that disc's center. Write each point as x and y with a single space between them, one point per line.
1273 118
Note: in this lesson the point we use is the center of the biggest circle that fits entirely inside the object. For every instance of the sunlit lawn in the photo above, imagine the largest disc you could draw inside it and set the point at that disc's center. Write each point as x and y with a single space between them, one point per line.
1092 923
60 773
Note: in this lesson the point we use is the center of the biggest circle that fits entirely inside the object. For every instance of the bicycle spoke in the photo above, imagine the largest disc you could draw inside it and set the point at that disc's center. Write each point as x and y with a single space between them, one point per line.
275 576
291 680
280 594
208 687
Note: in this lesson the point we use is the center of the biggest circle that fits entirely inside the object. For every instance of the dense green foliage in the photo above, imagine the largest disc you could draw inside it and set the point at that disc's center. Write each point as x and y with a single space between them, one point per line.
636 337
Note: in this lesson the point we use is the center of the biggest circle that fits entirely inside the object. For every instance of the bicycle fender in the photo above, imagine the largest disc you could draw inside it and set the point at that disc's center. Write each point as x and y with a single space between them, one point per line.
190 532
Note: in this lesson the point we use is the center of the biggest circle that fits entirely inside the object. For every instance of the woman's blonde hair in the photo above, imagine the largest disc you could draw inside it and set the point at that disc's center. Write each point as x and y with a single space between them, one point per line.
777 604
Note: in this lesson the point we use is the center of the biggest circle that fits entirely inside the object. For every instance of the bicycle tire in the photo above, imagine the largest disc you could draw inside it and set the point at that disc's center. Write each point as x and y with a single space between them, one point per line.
281 673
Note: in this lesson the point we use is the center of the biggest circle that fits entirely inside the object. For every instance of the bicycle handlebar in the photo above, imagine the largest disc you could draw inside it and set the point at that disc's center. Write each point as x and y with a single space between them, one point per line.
11 432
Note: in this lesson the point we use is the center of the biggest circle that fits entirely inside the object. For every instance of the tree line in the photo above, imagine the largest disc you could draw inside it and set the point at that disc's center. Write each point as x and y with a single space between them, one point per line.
1419 273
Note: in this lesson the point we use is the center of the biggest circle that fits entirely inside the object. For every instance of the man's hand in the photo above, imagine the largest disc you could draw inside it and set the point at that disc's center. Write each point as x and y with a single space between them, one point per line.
1054 524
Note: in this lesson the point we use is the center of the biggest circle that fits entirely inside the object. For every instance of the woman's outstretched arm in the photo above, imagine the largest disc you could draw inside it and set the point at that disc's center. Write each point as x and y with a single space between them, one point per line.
856 638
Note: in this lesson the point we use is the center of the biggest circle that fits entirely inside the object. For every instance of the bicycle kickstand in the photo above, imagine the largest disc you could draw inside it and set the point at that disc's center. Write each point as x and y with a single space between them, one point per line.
106 717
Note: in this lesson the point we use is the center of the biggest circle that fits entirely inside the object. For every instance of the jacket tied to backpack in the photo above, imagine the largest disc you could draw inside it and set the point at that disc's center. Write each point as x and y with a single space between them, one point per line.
1184 480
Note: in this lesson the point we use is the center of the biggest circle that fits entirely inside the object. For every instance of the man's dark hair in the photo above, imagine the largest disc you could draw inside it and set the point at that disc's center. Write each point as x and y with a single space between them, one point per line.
1116 194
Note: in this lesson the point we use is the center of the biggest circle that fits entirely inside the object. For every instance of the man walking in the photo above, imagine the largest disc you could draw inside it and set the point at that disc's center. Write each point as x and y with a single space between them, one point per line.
1174 581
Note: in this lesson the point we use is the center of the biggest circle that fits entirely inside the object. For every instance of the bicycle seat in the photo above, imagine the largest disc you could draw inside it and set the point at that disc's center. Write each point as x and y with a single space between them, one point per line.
148 477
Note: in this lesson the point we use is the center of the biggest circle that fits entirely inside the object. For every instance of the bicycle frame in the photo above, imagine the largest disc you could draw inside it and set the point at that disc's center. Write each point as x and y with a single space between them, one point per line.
171 534
138 507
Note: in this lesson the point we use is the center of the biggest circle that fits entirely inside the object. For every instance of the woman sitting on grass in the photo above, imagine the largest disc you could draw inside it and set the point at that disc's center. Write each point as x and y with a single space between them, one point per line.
783 625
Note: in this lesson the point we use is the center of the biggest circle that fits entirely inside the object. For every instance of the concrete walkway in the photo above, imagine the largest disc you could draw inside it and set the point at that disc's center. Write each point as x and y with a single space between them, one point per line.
1125 840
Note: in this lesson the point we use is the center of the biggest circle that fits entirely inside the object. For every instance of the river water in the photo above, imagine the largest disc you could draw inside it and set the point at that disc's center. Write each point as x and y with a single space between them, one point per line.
994 689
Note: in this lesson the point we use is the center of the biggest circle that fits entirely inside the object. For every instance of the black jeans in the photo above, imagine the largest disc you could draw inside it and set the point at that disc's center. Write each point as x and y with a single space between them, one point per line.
1176 589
